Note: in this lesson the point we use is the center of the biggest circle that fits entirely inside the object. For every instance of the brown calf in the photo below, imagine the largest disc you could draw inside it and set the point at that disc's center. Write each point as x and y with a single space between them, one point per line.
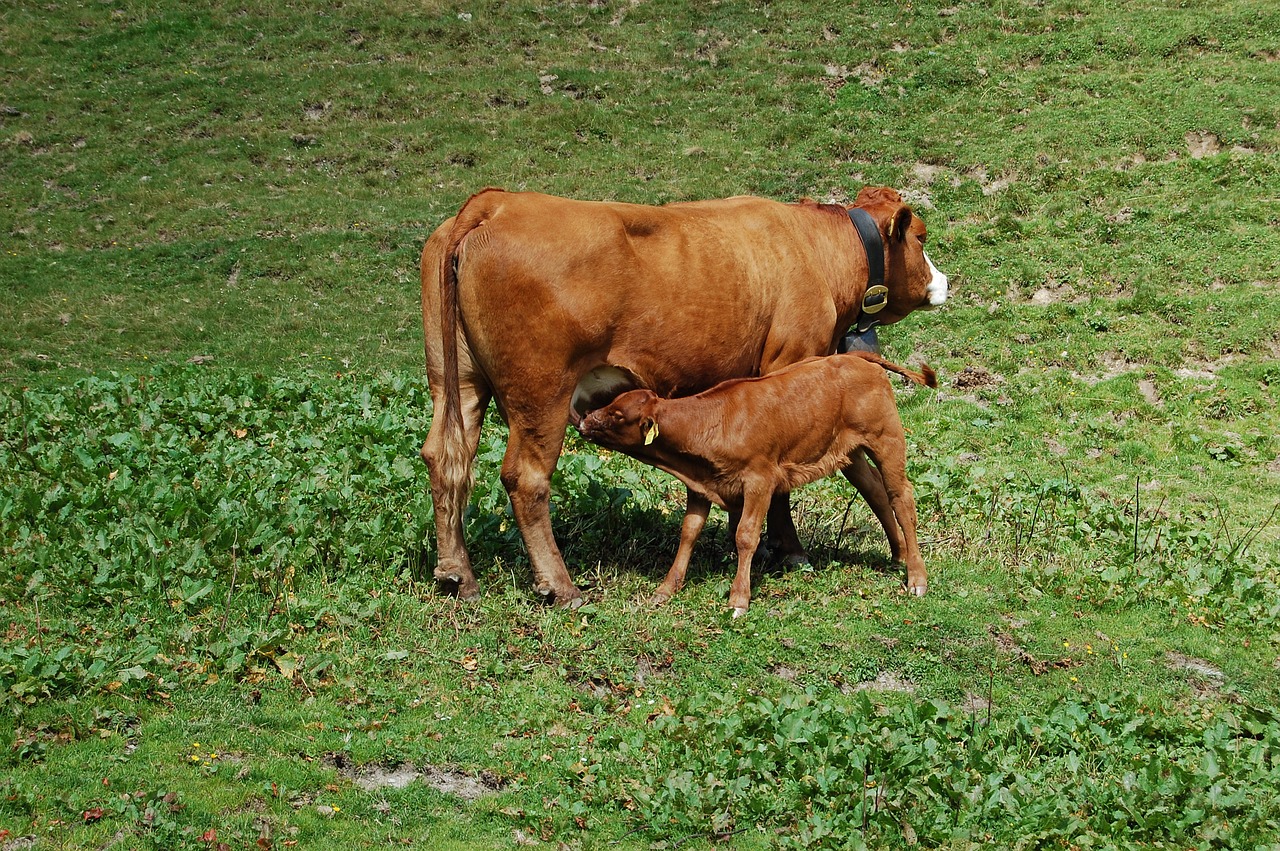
745 440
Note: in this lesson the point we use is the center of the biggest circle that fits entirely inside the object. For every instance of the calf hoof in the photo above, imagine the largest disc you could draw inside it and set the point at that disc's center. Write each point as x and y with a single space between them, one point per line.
916 590
796 559
658 598
739 611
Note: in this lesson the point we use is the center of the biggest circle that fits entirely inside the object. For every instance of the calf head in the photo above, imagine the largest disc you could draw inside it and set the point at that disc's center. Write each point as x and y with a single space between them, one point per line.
626 424
914 283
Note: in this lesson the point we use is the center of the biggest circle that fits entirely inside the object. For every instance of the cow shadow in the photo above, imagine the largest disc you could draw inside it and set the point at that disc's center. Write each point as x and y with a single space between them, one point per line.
610 525
629 538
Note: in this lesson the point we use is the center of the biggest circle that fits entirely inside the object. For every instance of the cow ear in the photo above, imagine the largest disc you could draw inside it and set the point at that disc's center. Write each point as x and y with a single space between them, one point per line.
900 223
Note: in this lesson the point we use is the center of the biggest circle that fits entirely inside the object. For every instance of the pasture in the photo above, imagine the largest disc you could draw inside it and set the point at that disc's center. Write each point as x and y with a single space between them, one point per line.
215 552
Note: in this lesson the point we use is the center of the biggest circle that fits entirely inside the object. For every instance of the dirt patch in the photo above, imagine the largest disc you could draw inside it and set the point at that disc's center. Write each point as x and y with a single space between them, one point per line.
1201 144
868 73
1150 392
380 777
1131 162
317 111
1203 370
923 176
990 185
887 681
1207 672
1006 643
782 672
452 781
974 704
621 15
1052 295
976 378
926 173
1113 366
647 668
468 787
22 843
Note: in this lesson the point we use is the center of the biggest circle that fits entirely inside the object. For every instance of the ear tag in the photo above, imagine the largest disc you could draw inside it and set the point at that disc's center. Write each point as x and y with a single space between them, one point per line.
889 230
650 433
876 299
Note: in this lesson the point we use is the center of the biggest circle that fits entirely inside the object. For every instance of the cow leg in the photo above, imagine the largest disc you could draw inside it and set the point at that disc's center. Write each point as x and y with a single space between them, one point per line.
891 462
781 351
783 538
754 507
695 517
532 451
449 466
871 486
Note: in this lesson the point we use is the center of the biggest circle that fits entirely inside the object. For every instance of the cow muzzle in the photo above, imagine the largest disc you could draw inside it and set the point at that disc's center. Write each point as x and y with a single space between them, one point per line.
937 289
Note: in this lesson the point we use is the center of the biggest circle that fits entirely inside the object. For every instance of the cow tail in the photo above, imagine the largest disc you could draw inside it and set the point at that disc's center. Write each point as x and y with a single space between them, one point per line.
473 214
453 465
925 376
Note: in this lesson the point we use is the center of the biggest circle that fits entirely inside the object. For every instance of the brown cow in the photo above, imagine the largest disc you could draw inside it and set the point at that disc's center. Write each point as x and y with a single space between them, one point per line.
743 441
549 305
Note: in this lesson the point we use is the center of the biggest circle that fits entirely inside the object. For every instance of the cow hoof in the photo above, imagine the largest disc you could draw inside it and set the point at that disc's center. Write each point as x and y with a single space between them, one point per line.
567 598
659 598
796 559
739 611
451 582
917 590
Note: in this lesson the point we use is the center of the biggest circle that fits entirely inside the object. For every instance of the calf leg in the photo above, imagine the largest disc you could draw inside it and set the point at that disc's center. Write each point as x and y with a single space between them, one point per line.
762 549
890 460
449 466
695 517
754 507
532 451
871 486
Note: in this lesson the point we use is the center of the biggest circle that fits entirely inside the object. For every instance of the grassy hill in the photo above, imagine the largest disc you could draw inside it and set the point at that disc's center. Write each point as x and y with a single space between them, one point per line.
214 529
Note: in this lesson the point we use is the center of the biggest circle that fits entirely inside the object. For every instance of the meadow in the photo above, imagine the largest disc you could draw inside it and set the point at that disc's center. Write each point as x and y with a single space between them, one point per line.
215 531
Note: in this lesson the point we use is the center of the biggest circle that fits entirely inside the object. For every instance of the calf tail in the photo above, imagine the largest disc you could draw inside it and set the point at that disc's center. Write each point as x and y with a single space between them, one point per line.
925 376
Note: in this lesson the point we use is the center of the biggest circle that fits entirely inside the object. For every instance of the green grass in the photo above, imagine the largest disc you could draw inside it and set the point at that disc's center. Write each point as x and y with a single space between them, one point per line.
214 527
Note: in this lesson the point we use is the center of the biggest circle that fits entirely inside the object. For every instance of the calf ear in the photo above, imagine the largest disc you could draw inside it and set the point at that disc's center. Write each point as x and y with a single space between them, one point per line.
650 428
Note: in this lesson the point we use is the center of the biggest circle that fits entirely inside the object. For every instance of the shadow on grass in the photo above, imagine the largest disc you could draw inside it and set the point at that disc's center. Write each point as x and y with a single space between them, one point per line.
609 538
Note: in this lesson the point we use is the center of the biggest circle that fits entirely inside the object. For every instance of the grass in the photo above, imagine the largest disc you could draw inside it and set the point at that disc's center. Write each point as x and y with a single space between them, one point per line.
214 527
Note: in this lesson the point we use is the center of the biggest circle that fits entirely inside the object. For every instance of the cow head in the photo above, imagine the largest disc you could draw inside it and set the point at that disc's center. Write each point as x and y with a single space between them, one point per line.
914 283
626 424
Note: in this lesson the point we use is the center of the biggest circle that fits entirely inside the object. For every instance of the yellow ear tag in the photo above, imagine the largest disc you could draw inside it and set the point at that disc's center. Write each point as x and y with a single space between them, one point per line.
650 433
889 230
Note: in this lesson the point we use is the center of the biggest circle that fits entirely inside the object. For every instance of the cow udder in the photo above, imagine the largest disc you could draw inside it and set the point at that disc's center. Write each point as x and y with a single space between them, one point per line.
599 387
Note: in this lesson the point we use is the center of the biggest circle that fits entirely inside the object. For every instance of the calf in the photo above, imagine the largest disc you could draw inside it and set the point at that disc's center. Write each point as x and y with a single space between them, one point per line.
745 440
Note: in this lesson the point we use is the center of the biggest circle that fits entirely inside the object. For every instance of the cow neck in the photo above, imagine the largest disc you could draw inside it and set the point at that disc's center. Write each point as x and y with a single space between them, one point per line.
876 295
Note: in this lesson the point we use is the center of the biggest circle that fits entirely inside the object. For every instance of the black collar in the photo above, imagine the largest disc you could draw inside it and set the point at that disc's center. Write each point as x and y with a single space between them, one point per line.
876 296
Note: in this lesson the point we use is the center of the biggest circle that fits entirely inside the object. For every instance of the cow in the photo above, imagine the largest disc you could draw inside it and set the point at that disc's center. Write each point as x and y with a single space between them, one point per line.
550 307
745 440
